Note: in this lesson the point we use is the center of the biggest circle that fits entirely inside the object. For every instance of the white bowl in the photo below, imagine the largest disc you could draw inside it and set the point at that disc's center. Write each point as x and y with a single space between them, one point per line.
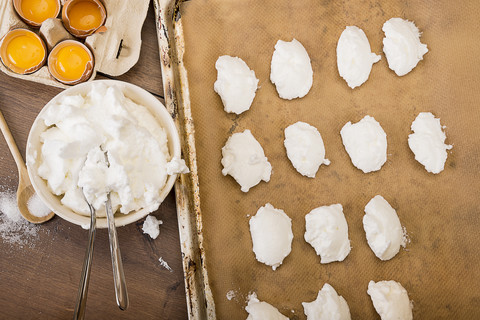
138 95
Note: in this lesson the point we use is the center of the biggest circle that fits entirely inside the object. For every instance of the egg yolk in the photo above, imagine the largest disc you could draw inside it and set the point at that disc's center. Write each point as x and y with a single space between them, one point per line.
71 61
85 15
39 10
25 51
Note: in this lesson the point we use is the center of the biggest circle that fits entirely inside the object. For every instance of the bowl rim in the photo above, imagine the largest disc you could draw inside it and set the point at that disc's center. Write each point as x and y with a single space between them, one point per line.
131 91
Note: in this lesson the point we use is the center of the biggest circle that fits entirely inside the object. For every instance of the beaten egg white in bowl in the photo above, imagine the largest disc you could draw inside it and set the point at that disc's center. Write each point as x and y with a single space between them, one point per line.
99 137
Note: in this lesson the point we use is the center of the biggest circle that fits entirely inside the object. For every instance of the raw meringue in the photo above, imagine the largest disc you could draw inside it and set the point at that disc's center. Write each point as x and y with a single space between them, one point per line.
427 142
382 228
327 232
390 300
236 84
271 231
305 148
365 143
354 56
402 45
260 310
244 159
291 71
328 306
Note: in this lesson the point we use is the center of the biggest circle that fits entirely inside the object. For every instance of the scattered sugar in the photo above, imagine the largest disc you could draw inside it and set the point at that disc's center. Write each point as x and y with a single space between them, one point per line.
13 228
8 206
151 226
164 264
230 295
37 207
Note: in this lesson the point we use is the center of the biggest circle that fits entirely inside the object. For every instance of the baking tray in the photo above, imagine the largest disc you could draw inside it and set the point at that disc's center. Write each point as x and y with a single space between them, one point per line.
439 268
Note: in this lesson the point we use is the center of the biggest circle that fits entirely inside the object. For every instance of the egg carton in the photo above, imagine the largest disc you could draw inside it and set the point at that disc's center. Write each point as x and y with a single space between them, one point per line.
116 50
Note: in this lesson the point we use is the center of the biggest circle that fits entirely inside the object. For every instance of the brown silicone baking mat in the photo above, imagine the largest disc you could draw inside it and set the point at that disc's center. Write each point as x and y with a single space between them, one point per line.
440 267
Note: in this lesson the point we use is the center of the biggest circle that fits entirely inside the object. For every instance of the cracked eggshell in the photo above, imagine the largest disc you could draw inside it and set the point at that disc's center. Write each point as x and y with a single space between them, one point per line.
87 73
116 50
17 4
5 55
79 32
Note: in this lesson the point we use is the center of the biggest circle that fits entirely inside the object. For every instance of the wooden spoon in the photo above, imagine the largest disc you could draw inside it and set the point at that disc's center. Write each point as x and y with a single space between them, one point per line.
25 189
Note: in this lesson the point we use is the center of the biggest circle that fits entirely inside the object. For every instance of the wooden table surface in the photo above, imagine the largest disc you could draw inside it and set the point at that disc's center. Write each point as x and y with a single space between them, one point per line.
39 280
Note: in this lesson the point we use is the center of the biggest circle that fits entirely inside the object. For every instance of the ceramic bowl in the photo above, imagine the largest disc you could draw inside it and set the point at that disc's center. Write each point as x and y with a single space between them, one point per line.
136 94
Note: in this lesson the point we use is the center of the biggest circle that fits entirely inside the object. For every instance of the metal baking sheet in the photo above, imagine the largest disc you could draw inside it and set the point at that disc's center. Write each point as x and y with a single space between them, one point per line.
439 268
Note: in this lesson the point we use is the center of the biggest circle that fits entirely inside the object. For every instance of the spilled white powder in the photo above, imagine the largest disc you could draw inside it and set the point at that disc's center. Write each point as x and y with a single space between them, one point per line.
13 228
230 295
164 264
37 207
8 206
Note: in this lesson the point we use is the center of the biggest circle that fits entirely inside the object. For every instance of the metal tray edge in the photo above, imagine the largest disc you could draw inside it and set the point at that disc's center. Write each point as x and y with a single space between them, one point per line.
200 302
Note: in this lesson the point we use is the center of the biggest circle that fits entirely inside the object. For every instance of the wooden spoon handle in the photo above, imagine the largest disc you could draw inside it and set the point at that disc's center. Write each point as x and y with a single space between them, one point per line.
11 144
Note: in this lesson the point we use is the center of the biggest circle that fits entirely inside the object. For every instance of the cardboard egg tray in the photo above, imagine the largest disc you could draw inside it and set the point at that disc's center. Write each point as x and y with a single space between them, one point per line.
116 50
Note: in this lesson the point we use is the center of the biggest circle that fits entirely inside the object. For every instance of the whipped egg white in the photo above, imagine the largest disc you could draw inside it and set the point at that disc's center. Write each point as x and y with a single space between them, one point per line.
244 159
382 228
291 70
365 143
271 231
390 300
354 56
327 232
402 45
85 130
305 148
328 305
427 142
236 84
261 310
